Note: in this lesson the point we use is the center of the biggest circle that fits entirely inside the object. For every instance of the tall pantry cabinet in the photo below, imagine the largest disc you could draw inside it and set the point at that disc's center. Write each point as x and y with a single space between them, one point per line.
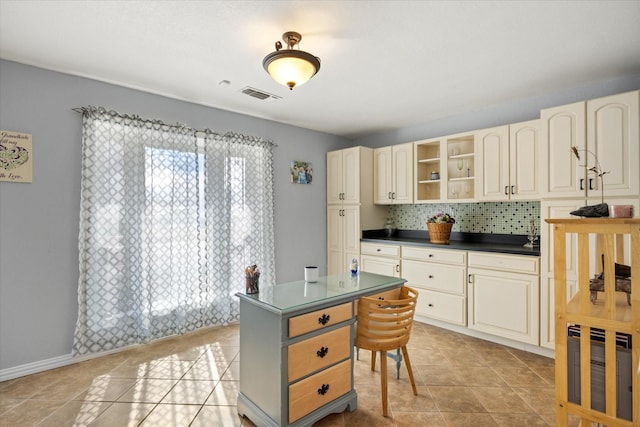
350 207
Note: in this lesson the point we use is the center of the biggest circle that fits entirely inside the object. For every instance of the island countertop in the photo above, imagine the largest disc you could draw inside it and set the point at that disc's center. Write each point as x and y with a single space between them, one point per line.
287 298
480 242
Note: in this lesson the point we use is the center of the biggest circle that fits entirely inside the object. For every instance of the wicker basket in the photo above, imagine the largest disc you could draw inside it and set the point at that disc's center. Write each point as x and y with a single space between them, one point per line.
439 232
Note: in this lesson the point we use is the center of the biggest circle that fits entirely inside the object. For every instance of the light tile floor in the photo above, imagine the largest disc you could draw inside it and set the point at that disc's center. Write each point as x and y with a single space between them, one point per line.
193 380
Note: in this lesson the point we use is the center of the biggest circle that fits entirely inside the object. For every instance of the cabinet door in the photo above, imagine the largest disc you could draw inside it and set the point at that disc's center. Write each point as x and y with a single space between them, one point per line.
351 229
335 239
379 265
403 173
351 175
524 160
493 148
613 124
504 304
382 175
562 128
334 177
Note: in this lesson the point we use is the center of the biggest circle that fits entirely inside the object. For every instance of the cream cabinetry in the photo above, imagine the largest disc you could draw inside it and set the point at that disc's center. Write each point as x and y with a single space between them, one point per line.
350 207
440 277
380 259
608 127
445 169
343 175
343 236
503 295
509 158
393 174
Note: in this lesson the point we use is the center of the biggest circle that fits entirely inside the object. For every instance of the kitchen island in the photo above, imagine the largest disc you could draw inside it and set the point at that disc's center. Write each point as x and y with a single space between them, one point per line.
296 348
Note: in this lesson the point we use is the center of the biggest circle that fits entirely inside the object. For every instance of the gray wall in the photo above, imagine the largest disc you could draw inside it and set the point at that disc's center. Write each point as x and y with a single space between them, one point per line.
39 221
501 114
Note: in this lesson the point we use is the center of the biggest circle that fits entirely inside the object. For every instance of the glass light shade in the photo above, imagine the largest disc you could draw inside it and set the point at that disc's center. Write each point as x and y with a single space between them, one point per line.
291 67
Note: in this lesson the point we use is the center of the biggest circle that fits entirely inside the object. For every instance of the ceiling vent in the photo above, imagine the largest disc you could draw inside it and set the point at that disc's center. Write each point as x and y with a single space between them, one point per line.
260 94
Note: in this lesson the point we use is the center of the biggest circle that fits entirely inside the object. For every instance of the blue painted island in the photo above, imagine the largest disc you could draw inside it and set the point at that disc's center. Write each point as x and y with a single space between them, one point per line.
296 347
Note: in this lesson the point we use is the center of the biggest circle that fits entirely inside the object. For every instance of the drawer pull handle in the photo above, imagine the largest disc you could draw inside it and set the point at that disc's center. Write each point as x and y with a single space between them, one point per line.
322 352
324 319
323 390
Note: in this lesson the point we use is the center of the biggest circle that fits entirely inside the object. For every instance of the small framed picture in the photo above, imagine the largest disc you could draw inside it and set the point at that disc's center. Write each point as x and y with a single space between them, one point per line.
16 157
301 172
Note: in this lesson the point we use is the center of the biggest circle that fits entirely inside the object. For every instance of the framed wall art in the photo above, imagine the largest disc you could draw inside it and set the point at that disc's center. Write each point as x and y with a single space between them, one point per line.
16 157
301 172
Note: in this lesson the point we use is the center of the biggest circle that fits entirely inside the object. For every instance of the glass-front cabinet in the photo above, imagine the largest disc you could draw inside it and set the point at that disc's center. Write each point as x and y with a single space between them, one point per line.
445 169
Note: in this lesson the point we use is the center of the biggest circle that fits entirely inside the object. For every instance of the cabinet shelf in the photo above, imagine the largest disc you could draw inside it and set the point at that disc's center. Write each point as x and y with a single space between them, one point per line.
429 181
430 160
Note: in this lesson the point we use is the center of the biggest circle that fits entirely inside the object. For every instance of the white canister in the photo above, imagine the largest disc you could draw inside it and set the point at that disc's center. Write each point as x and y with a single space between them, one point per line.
311 274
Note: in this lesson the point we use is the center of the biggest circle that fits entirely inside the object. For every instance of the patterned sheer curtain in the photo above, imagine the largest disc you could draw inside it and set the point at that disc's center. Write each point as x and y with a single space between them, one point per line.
168 221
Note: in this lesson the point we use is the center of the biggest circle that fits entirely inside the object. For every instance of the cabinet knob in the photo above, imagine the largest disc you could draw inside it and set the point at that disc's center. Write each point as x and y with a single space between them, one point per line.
322 352
430 255
430 305
378 250
324 319
323 390
431 276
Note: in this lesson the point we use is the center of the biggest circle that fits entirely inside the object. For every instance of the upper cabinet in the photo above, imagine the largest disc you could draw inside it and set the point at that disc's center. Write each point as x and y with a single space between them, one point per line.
393 174
445 169
606 127
509 162
613 134
343 176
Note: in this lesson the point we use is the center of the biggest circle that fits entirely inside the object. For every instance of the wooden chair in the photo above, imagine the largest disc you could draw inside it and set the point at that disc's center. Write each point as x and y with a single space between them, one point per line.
385 325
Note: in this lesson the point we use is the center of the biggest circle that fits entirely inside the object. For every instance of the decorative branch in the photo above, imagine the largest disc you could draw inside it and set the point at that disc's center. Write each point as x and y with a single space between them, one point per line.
597 169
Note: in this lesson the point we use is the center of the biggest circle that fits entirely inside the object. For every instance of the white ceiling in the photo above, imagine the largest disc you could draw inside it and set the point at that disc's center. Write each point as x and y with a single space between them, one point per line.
385 64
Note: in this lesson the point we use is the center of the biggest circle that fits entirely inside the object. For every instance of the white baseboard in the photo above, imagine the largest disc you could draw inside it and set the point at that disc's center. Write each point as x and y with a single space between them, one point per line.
35 367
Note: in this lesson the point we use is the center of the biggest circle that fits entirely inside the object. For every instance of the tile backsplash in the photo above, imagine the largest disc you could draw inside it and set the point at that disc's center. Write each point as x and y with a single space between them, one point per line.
489 217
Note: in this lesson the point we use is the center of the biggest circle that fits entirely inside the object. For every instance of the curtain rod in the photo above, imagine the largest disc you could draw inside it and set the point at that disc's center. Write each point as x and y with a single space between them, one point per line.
197 132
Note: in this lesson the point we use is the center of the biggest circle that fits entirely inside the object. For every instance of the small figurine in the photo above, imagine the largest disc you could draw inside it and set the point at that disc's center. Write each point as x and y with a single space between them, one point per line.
354 267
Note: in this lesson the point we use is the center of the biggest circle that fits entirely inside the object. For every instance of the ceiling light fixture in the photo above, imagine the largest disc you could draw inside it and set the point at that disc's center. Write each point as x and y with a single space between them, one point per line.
291 67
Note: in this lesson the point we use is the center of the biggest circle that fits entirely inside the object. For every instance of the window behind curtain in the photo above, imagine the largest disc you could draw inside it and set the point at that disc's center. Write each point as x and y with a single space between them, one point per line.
168 223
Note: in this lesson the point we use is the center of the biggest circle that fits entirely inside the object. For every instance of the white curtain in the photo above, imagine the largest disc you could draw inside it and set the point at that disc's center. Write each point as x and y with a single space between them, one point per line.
168 222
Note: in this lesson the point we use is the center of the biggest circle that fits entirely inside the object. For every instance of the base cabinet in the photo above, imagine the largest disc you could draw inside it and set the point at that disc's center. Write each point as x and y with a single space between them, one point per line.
503 296
440 277
380 259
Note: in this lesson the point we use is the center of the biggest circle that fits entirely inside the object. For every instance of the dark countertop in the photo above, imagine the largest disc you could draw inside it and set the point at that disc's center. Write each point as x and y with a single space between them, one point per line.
480 242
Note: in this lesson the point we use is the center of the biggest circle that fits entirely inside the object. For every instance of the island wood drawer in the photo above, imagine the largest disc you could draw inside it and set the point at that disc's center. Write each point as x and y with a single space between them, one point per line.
450 308
311 393
318 352
434 255
517 263
319 319
441 277
391 251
